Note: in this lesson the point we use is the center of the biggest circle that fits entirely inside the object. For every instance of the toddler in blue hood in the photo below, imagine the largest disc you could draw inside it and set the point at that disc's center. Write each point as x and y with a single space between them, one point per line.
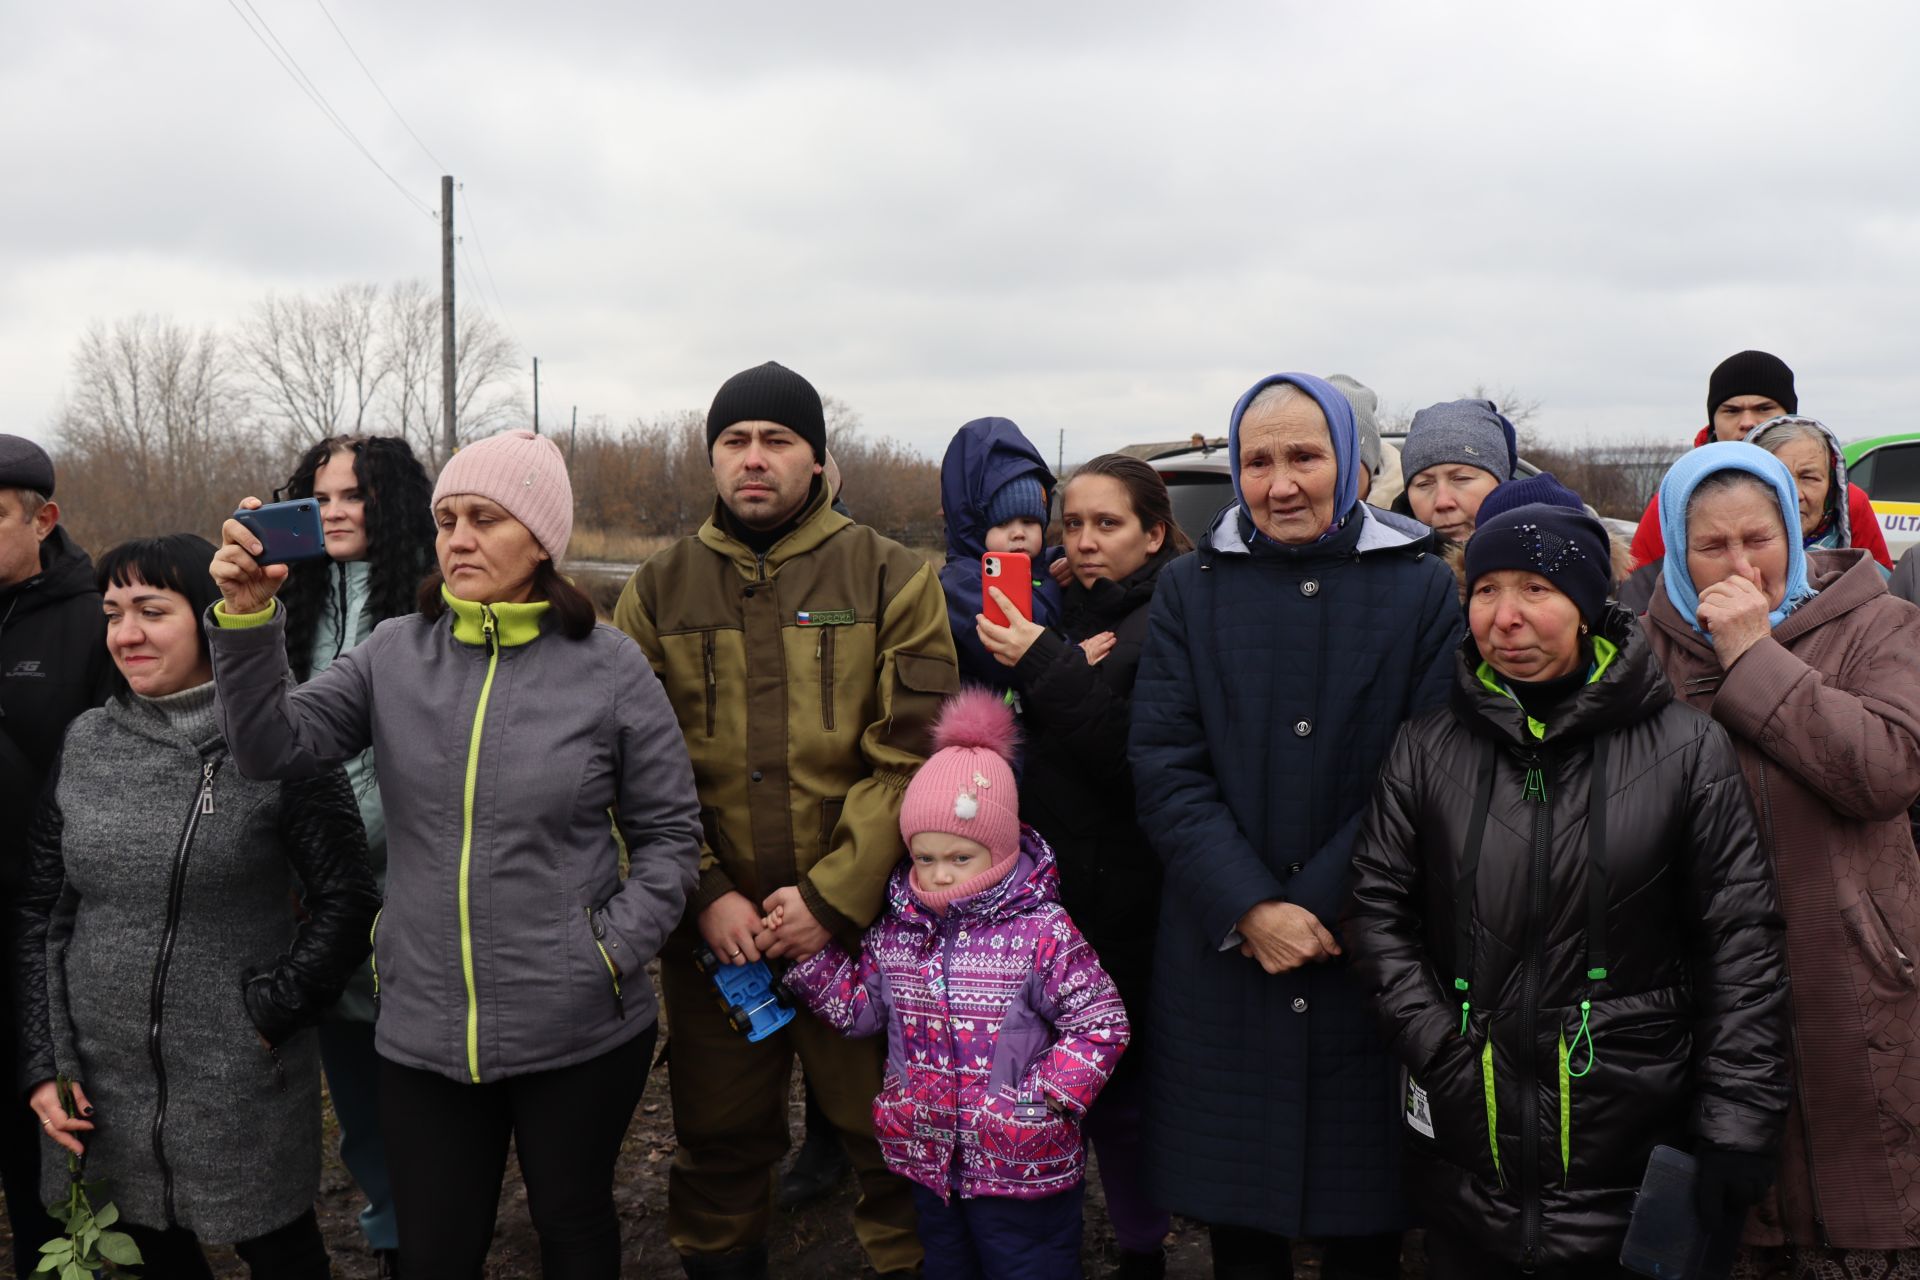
994 489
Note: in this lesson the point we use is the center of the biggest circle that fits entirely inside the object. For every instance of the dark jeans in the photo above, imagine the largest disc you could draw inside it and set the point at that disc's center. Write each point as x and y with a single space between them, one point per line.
1241 1253
292 1252
353 1082
447 1155
1450 1258
1113 1128
998 1238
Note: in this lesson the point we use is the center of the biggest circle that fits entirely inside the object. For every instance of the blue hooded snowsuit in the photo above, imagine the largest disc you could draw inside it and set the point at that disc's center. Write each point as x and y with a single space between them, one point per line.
986 454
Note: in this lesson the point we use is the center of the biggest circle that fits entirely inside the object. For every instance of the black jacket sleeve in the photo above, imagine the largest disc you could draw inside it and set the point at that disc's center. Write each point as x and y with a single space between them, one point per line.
1739 964
1385 928
41 923
1070 699
326 845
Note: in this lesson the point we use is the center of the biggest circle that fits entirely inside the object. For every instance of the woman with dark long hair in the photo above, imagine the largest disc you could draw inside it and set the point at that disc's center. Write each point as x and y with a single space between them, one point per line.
1076 685
376 518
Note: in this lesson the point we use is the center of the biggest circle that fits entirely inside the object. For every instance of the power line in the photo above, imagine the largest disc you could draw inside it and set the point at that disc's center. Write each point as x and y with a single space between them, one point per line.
291 66
426 150
474 224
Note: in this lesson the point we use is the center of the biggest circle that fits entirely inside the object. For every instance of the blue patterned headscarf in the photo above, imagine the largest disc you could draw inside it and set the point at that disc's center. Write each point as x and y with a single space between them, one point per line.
1676 491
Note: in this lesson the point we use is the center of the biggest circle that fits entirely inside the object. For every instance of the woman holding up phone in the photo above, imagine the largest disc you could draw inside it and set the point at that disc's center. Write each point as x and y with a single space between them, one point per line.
509 958
377 527
1076 685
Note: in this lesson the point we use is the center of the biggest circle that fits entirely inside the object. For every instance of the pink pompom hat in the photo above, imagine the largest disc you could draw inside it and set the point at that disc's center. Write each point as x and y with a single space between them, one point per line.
966 788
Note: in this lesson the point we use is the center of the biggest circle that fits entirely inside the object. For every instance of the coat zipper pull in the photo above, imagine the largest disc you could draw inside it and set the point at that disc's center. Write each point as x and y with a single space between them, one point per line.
206 787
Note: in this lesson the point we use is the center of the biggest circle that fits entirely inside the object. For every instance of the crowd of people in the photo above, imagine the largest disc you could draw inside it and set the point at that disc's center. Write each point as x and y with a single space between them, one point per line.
1399 851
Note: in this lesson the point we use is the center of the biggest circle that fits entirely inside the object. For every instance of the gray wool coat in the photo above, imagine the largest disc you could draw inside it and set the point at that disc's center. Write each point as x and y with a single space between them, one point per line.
156 944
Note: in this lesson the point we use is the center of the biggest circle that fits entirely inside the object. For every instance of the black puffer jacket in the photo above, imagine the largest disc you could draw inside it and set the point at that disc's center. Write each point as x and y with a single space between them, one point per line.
1577 1076
1076 788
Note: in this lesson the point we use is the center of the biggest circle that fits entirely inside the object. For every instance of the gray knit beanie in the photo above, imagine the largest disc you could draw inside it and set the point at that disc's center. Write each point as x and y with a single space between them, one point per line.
1468 432
1366 408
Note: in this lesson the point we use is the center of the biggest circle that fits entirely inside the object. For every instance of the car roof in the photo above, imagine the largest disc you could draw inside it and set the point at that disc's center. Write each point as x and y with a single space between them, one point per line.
1860 448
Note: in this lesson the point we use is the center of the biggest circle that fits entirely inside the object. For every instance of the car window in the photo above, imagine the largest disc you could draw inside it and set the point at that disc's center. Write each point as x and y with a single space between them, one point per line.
1197 498
1890 473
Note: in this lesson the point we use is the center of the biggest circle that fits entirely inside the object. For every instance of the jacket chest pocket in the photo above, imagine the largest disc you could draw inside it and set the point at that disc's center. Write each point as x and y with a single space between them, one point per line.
824 654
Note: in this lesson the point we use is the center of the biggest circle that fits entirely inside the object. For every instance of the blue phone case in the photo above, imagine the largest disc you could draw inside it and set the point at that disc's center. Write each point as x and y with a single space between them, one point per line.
288 531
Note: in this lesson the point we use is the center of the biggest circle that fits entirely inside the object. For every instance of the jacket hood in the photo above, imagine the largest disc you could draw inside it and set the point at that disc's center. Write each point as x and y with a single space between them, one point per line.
1342 429
1034 881
1836 524
65 572
984 455
817 522
1626 687
1372 530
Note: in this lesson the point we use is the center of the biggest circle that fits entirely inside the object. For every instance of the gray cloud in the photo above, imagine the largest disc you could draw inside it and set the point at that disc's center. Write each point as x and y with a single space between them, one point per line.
1104 219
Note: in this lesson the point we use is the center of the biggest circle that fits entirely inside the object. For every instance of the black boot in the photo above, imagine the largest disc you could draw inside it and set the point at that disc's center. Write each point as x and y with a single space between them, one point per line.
819 1167
742 1264
1141 1266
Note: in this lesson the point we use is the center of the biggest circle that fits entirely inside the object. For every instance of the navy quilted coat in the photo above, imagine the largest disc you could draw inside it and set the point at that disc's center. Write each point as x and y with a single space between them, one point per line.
1272 684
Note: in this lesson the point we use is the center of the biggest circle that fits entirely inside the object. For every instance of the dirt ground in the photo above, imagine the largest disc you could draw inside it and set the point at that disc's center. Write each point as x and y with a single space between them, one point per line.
815 1243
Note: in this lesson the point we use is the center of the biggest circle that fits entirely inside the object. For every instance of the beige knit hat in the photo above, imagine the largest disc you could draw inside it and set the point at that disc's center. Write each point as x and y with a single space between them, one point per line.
525 474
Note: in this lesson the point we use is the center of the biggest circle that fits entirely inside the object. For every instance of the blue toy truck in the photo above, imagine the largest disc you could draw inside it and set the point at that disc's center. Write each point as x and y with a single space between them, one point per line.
756 1004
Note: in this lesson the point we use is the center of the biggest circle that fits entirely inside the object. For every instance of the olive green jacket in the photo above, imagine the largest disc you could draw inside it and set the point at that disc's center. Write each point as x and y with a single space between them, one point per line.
806 683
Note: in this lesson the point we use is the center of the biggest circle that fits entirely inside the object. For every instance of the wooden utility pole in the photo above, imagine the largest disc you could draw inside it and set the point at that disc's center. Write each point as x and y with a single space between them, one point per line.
536 395
573 434
447 381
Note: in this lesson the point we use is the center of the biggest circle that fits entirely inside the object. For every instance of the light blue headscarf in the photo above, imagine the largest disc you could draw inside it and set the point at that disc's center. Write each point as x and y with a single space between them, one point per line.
1341 430
1676 490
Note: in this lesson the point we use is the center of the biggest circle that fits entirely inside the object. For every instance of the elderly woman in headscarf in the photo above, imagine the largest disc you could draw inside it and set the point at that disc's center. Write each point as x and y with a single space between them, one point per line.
1834 513
1280 659
1815 671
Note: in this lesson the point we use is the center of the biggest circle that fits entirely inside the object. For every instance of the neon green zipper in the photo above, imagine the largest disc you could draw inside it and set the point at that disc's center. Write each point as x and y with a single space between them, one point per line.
466 846
619 1001
1493 1110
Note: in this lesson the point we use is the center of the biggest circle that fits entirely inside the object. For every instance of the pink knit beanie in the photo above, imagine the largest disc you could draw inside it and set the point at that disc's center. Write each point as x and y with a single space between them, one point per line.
525 474
966 787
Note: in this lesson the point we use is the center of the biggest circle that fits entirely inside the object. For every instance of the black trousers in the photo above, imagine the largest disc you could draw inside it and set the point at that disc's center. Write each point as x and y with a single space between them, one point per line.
1241 1253
447 1155
292 1252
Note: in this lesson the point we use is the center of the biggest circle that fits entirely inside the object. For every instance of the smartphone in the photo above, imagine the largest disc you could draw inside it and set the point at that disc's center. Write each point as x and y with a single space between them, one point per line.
288 531
1666 1237
1012 572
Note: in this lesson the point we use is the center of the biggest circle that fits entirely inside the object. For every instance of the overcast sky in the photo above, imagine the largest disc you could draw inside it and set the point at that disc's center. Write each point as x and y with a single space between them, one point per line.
1107 219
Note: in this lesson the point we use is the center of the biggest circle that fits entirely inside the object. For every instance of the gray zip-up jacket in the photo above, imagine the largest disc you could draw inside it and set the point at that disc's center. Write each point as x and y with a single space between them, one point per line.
507 757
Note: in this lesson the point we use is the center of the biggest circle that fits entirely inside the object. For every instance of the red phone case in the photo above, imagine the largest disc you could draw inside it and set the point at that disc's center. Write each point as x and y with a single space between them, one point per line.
1012 572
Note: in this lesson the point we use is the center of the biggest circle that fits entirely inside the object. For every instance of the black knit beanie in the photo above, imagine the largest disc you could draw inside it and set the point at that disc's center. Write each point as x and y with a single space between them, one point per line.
770 393
1752 373
1568 548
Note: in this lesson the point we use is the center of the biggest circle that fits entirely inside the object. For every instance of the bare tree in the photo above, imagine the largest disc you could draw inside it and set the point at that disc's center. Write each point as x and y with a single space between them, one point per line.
1523 411
486 365
317 363
154 437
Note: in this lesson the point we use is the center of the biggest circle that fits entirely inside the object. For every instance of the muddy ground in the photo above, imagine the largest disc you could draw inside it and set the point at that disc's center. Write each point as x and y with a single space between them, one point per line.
815 1243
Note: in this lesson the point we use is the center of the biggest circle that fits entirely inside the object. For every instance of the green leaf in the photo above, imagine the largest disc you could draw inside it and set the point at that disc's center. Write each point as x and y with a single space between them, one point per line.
87 1238
74 1271
49 1262
107 1216
118 1247
62 1245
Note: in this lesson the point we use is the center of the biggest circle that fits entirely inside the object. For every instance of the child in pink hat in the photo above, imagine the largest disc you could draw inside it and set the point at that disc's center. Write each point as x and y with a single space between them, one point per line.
1001 1025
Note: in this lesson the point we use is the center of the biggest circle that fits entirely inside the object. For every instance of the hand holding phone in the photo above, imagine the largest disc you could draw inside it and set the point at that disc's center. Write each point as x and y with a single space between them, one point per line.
248 576
1012 572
